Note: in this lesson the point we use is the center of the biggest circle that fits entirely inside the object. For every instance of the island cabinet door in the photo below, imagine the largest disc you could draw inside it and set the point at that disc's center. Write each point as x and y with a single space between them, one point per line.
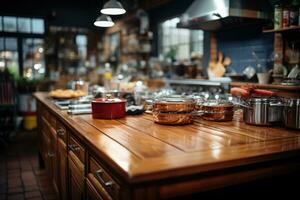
53 159
76 177
44 142
49 151
62 168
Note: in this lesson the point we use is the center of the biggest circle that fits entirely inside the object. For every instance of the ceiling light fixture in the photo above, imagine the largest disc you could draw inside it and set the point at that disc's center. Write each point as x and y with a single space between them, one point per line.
113 7
104 21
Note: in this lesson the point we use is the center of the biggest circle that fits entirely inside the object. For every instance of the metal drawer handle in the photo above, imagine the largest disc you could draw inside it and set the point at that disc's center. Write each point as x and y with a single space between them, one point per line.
50 154
60 132
74 148
100 179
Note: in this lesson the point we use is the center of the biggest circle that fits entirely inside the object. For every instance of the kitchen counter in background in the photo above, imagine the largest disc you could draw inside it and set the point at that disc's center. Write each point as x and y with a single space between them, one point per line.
135 158
223 85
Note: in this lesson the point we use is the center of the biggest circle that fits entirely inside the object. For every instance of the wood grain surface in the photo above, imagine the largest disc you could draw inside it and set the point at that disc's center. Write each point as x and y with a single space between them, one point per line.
140 150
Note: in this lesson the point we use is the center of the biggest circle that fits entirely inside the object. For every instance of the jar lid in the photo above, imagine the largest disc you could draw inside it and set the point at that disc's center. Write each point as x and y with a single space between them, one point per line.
106 100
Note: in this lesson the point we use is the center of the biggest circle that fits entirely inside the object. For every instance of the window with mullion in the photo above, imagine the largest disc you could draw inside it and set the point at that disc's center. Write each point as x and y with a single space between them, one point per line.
184 41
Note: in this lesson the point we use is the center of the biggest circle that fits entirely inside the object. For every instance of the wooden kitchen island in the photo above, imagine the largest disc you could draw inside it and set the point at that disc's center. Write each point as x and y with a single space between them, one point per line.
134 158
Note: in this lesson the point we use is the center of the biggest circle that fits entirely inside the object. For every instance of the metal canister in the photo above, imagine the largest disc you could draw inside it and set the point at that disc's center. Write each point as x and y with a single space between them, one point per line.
291 113
278 17
285 17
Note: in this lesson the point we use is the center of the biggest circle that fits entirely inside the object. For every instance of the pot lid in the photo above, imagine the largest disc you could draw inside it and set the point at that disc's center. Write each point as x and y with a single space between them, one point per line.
263 100
292 101
217 103
175 100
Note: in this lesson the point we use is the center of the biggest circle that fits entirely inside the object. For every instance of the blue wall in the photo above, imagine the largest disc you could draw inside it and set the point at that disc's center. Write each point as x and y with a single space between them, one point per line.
239 45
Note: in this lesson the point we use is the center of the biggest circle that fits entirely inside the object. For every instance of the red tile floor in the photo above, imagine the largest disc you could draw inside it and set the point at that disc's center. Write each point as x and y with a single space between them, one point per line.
20 175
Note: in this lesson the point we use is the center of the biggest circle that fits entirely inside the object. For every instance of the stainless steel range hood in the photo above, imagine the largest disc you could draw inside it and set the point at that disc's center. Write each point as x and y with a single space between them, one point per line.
213 15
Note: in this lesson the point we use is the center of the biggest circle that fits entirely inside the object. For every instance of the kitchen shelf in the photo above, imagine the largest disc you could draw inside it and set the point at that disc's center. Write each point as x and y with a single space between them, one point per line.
293 28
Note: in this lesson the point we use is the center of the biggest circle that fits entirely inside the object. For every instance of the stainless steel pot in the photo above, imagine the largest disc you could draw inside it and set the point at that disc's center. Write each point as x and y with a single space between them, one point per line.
291 113
263 111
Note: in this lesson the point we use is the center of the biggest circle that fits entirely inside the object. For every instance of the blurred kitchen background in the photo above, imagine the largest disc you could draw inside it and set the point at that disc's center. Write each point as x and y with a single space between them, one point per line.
183 45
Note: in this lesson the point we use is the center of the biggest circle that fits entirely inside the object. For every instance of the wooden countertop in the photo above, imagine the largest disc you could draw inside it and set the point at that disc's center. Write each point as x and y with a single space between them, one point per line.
141 150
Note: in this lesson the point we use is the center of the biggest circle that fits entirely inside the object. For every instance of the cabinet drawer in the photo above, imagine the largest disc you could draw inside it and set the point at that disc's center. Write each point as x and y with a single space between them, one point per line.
47 128
92 193
103 182
49 117
76 148
45 139
61 131
52 120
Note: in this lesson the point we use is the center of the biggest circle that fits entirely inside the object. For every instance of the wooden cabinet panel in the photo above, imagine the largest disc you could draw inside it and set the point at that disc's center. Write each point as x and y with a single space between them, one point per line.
53 159
76 177
75 188
76 148
91 192
49 149
102 181
61 131
62 160
45 147
98 187
49 117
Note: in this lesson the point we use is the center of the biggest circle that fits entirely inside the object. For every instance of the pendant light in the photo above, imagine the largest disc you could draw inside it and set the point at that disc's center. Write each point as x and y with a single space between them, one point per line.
104 21
113 7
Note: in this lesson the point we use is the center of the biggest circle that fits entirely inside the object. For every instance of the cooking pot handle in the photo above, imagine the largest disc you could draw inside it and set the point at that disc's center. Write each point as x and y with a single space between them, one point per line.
277 104
242 105
196 113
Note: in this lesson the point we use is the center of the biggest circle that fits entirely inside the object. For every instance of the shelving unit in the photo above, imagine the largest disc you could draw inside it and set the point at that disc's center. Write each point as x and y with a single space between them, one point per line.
134 45
136 51
286 44
293 28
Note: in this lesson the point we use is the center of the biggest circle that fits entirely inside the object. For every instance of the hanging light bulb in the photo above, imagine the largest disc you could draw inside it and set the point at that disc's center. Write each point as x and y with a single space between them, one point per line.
104 21
113 7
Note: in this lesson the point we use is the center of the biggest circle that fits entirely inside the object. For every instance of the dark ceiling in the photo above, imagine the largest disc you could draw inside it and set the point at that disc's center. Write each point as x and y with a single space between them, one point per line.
77 13
82 13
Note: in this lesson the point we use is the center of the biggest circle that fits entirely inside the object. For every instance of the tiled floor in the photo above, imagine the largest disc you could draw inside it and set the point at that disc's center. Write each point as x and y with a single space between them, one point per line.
20 175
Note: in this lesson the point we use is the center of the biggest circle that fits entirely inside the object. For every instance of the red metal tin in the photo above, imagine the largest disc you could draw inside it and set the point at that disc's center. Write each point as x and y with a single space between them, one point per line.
108 108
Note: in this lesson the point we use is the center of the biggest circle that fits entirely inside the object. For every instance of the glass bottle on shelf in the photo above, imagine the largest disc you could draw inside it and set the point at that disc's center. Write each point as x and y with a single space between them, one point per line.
285 17
278 17
107 77
294 14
